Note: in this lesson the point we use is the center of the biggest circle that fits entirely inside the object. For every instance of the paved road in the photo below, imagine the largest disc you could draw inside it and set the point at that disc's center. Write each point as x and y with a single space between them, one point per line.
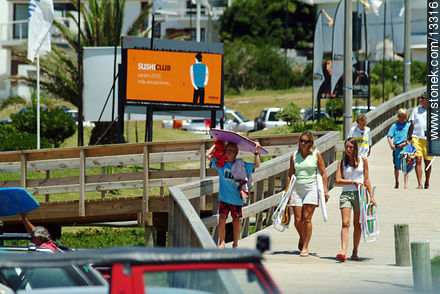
376 272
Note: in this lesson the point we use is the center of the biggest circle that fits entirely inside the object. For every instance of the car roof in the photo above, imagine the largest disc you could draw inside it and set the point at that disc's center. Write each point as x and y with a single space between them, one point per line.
131 255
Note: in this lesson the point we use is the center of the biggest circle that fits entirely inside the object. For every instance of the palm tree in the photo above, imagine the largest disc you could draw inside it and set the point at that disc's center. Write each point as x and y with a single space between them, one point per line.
59 68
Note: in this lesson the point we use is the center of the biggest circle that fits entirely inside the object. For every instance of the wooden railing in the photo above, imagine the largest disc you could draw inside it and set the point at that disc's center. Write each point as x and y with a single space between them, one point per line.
382 117
39 171
186 228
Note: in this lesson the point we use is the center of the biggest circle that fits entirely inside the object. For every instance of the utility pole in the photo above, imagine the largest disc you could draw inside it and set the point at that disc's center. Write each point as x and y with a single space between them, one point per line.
198 8
80 86
348 67
407 49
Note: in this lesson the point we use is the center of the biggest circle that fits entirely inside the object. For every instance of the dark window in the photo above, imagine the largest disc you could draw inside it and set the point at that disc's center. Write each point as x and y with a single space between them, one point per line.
272 116
156 30
20 30
219 3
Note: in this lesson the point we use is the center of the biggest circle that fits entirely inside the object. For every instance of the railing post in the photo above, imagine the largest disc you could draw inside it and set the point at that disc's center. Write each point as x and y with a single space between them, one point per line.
401 244
259 196
202 204
270 192
23 163
171 222
47 177
421 266
82 182
103 173
161 189
147 219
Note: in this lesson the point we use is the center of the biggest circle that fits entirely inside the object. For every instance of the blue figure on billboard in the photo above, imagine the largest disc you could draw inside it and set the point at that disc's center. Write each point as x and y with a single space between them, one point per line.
199 79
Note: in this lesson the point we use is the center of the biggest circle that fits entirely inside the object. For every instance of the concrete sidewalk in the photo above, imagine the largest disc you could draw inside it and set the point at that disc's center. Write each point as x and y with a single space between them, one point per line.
376 272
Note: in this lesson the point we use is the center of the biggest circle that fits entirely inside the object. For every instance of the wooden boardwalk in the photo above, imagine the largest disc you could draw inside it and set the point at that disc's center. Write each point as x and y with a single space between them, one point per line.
376 272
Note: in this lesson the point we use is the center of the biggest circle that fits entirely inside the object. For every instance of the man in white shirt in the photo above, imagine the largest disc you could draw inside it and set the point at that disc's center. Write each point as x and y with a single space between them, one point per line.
417 130
361 133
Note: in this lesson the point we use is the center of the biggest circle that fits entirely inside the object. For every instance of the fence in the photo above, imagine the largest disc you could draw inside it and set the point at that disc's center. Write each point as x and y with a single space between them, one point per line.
186 228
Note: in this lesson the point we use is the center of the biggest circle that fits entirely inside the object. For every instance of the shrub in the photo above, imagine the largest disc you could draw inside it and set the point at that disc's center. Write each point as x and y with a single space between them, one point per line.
55 124
326 124
334 107
103 237
290 114
299 127
418 72
13 139
435 271
249 66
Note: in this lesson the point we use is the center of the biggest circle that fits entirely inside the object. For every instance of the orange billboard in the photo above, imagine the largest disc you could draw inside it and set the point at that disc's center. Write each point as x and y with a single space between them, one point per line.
167 77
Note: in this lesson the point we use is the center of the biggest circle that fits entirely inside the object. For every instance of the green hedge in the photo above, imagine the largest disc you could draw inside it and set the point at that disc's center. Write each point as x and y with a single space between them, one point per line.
435 270
55 124
103 237
13 139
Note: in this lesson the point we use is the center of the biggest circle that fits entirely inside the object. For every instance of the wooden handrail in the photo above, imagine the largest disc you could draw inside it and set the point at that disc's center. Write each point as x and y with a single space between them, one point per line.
83 159
182 194
379 120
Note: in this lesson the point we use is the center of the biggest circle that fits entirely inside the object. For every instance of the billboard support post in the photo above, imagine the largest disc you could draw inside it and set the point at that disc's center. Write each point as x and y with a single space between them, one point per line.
121 108
149 124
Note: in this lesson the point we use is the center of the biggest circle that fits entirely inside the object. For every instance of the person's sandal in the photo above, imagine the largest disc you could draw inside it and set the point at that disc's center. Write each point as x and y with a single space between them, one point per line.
304 254
341 257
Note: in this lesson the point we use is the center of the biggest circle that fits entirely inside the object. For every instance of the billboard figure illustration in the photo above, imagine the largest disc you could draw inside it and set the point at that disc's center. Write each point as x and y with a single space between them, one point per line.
199 79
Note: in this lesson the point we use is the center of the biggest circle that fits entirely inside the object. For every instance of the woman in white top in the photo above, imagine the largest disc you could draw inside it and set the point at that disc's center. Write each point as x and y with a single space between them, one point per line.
352 171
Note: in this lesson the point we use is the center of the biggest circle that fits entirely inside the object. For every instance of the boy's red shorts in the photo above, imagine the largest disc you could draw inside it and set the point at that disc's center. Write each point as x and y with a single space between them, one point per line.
225 208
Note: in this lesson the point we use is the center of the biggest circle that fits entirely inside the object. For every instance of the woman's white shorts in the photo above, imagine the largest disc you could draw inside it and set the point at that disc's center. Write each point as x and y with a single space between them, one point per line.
304 194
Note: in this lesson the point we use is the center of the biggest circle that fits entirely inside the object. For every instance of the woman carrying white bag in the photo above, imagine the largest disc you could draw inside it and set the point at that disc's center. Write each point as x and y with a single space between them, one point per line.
304 165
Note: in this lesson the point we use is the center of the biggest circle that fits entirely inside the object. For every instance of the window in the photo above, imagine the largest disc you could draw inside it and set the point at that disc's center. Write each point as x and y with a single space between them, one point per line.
272 116
20 30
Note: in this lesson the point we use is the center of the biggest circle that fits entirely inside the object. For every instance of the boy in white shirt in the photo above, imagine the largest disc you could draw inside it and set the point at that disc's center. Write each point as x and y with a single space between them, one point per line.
361 133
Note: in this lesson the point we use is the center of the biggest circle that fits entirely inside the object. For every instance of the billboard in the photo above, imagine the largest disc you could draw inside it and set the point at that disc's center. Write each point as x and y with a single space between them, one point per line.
169 78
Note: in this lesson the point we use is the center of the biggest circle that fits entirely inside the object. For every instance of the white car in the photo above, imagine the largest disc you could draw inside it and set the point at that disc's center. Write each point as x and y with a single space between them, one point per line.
201 126
267 119
238 123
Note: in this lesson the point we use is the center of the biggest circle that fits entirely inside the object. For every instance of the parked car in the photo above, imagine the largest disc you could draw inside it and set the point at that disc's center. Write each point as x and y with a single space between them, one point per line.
237 122
22 277
202 126
163 270
267 119
358 109
307 114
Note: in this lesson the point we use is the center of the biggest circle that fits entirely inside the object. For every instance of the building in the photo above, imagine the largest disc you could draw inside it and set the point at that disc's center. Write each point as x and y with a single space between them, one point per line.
174 19
395 25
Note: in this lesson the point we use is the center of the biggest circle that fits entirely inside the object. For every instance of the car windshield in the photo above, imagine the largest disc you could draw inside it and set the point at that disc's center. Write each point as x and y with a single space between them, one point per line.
240 116
20 278
205 281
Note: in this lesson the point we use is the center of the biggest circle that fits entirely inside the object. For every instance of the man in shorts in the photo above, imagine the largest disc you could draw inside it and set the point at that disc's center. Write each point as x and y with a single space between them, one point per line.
417 131
230 196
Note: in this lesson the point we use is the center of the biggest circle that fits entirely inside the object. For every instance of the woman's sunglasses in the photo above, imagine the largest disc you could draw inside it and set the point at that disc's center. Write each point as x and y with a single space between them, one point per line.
305 141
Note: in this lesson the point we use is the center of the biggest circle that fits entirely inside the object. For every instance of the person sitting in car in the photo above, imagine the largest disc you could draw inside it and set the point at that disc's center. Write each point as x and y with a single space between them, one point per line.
40 235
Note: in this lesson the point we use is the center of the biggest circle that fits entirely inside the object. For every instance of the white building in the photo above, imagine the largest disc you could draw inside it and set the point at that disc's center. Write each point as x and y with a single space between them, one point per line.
175 18
395 28
179 20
